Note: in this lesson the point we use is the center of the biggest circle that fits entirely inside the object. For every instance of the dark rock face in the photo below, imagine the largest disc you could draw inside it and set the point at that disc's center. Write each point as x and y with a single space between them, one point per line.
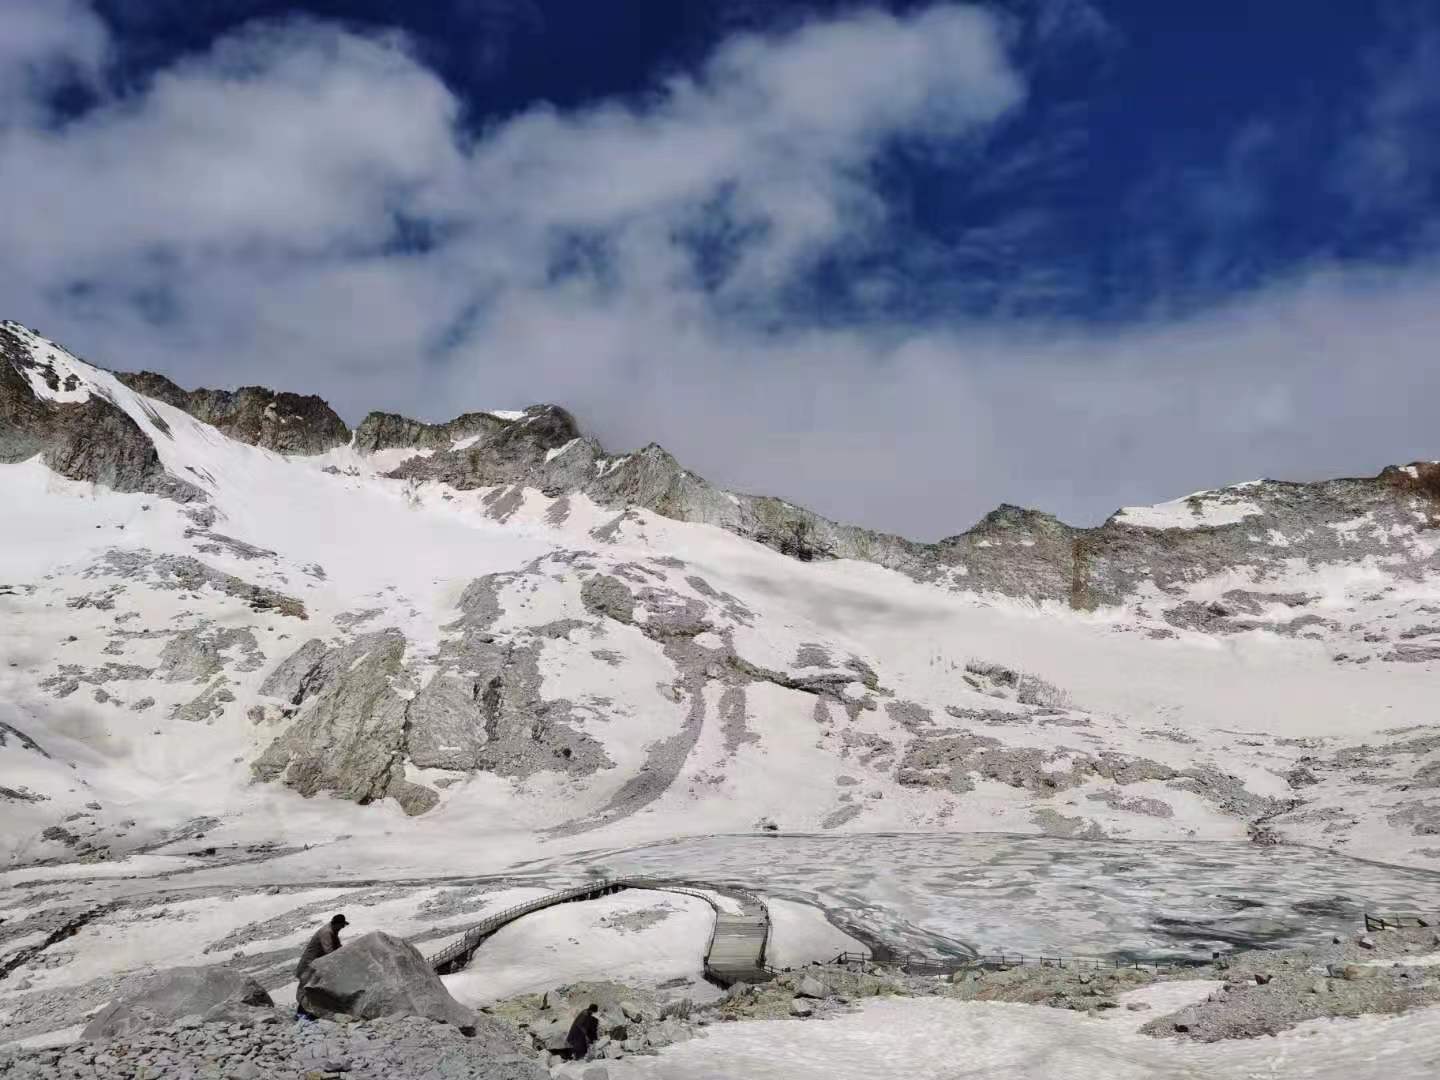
91 440
387 431
283 422
499 451
362 712
351 739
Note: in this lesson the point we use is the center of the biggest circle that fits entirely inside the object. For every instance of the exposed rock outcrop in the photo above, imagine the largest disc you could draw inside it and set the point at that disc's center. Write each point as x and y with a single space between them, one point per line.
284 422
386 431
364 711
86 437
351 739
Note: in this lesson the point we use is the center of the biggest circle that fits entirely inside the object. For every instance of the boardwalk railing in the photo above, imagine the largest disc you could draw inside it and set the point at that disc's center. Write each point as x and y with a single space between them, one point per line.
452 955
1397 920
744 964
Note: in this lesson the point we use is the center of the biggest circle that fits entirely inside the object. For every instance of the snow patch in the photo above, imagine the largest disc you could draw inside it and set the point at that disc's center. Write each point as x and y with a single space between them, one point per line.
551 455
1200 509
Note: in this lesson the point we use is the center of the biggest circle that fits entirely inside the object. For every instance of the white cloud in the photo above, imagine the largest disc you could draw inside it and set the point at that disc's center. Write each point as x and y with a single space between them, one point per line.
236 221
1389 158
42 43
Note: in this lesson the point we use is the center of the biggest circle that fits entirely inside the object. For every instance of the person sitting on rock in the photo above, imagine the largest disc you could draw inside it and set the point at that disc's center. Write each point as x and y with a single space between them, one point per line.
583 1032
322 943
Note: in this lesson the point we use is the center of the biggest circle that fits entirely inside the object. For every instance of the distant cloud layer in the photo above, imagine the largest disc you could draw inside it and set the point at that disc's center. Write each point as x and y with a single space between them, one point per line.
303 206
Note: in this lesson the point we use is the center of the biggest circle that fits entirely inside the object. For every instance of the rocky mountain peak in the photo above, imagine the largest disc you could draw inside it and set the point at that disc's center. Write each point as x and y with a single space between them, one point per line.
284 422
48 407
544 426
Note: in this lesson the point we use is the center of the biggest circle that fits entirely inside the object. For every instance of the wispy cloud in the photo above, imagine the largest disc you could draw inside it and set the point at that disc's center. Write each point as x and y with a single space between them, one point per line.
1389 162
301 205
44 44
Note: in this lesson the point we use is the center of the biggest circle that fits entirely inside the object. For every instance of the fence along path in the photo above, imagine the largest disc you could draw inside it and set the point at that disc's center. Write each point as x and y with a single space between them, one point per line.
735 952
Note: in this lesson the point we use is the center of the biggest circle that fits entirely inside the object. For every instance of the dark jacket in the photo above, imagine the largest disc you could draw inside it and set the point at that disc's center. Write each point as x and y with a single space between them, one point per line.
323 942
583 1032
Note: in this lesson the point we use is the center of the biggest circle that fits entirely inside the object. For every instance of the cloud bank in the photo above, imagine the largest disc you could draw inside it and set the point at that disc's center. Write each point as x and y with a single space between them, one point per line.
310 208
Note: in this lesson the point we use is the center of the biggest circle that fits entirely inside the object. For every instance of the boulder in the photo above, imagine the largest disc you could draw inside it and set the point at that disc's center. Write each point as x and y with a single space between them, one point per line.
800 1007
567 1001
632 1012
811 988
380 975
552 1037
207 993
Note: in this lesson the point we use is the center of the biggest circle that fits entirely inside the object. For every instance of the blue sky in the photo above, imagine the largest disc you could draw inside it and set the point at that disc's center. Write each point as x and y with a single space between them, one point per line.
898 261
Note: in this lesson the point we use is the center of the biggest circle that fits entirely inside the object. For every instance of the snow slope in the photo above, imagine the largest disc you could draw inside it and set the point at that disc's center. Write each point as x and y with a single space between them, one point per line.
934 1039
230 714
726 684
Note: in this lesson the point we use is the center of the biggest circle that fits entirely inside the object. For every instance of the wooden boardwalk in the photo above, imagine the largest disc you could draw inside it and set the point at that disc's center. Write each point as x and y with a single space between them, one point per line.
735 953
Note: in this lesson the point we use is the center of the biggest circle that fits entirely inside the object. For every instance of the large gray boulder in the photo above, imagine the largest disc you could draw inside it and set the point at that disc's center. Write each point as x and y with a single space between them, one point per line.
565 1002
210 993
380 975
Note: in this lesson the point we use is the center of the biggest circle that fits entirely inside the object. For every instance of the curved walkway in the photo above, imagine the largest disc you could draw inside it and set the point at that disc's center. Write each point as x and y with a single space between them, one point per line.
734 954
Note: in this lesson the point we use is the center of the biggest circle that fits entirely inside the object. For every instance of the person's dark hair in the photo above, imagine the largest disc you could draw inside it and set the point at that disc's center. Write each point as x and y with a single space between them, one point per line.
339 920
592 1008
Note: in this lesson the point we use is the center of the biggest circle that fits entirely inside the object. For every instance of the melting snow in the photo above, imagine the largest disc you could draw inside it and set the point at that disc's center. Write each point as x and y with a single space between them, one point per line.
935 1039
1202 508
551 455
67 369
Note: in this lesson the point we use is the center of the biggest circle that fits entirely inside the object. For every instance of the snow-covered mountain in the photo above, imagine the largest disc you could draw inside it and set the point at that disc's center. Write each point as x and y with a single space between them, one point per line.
227 613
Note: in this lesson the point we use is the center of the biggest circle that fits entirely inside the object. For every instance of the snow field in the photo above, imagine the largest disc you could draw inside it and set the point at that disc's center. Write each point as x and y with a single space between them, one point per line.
638 937
935 1039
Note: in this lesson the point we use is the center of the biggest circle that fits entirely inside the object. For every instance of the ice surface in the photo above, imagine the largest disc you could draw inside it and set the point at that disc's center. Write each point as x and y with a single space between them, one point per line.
800 934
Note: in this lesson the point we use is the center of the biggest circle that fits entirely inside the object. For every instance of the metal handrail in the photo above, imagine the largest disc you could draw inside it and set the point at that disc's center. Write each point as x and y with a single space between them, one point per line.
1398 920
908 962
487 926
472 938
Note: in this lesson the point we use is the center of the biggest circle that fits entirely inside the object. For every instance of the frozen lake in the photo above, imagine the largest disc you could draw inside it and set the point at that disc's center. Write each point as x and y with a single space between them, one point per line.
951 895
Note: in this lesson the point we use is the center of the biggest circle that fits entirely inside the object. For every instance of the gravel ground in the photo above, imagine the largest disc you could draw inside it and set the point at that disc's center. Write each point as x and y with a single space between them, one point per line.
1266 992
271 1046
